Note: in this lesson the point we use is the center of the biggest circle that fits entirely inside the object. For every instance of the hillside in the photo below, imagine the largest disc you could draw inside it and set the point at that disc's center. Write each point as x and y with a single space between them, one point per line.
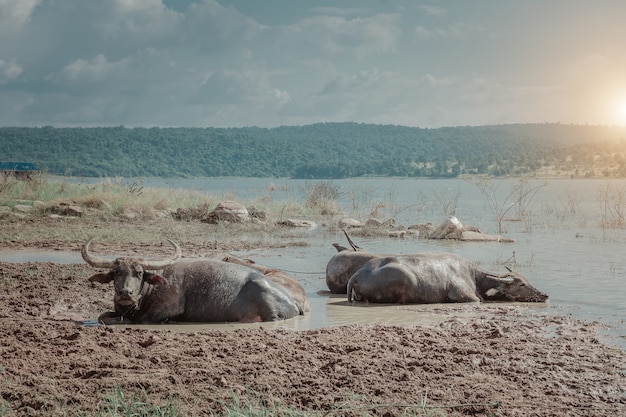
323 150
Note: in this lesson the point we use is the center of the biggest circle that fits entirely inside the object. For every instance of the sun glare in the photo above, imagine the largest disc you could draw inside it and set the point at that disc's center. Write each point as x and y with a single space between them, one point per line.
621 112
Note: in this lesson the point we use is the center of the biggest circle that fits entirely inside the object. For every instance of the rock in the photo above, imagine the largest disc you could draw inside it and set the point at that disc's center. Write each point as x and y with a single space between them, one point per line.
74 210
472 236
423 230
390 222
39 205
373 222
348 222
162 214
129 214
397 233
228 211
297 223
22 208
452 228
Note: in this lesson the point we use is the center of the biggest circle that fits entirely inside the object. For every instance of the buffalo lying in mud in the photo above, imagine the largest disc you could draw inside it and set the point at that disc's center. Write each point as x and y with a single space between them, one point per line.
189 291
435 277
291 285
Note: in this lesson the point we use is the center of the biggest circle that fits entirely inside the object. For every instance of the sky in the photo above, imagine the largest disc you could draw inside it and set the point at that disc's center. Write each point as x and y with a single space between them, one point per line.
237 63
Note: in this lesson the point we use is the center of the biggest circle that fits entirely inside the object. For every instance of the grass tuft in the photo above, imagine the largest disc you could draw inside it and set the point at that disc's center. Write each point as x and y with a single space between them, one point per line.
117 404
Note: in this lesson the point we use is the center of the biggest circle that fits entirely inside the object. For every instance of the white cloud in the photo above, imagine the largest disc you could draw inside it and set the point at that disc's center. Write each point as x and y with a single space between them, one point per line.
9 71
338 35
457 30
282 97
433 10
338 11
212 63
138 21
14 14
209 22
92 70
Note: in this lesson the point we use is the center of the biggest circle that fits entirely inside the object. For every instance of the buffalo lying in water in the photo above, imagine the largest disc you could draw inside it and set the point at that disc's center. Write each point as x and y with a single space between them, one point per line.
435 277
189 291
290 284
344 264
431 277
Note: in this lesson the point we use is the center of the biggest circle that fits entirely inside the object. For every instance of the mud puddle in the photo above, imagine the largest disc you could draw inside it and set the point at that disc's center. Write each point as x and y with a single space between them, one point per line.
326 311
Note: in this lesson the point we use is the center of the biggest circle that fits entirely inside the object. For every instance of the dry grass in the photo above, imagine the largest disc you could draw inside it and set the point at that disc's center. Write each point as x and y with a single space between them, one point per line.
116 212
115 198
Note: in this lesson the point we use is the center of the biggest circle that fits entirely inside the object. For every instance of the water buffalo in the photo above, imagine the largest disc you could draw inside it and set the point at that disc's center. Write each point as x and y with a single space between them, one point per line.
280 277
189 291
435 277
345 263
342 266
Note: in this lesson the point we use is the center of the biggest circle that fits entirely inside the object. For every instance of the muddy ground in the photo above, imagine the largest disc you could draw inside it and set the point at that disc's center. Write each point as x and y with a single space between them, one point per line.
498 361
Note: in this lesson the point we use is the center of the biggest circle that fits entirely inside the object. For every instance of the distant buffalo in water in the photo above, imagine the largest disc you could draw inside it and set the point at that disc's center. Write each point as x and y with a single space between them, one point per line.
436 277
430 277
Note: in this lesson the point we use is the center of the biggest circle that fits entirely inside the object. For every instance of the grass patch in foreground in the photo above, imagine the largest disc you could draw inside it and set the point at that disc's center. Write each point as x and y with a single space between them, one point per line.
355 405
116 404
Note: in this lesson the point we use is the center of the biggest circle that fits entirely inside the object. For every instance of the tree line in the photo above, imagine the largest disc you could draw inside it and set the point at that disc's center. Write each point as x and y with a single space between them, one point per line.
318 151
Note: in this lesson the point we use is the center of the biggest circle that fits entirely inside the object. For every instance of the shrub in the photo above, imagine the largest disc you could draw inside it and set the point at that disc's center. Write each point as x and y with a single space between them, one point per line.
322 197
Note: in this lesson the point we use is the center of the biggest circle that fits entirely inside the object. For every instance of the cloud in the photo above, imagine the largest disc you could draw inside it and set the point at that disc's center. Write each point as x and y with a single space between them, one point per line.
93 70
140 63
213 25
433 10
337 11
213 63
15 14
9 71
138 20
338 35
458 30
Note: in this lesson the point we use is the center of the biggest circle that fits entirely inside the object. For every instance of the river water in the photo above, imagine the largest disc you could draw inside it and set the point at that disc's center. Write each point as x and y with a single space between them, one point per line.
571 242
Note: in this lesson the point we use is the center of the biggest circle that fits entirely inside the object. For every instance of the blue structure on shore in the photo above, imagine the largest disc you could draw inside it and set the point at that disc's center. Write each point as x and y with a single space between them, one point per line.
21 170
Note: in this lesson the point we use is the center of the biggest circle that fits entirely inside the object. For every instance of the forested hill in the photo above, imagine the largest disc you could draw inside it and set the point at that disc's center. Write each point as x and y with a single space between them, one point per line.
323 150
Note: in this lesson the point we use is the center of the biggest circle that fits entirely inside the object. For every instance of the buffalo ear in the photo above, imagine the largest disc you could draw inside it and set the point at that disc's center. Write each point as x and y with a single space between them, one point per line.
492 292
102 278
154 279
339 247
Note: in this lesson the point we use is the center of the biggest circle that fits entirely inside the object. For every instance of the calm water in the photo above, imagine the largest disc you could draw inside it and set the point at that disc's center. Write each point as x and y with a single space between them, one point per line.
561 245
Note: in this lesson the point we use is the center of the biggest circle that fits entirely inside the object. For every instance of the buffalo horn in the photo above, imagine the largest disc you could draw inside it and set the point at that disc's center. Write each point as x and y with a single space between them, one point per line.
160 264
99 262
93 260
354 245
505 278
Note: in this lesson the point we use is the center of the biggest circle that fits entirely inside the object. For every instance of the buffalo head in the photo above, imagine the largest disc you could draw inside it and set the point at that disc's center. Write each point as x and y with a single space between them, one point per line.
129 275
512 286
